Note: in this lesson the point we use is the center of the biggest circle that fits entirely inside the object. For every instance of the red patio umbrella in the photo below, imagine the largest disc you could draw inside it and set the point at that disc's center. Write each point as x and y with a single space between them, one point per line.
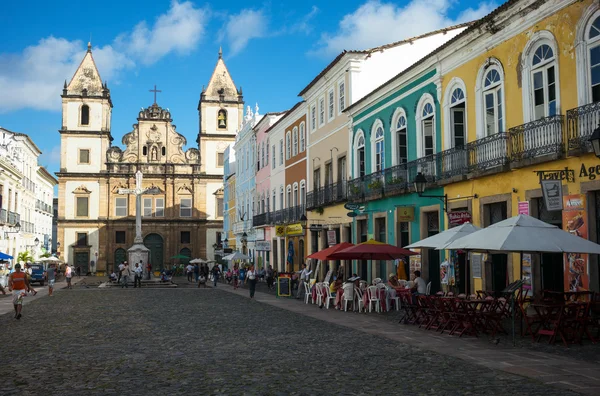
371 250
325 253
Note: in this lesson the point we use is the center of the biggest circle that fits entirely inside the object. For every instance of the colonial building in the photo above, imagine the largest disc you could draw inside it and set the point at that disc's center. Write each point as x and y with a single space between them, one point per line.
26 191
183 215
229 215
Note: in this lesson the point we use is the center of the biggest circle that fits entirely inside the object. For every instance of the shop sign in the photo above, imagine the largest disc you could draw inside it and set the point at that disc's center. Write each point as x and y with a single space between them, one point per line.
280 231
524 207
263 245
294 229
406 214
259 234
459 217
563 174
574 217
351 206
331 238
316 228
552 190
589 172
350 214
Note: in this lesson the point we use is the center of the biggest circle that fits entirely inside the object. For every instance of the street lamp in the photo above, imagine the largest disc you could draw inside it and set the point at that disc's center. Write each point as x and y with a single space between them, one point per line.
36 241
420 183
595 140
244 241
16 228
303 221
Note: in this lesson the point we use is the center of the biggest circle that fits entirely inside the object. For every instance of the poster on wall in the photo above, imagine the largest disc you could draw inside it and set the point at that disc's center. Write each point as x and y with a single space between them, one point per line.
415 265
476 265
526 274
574 220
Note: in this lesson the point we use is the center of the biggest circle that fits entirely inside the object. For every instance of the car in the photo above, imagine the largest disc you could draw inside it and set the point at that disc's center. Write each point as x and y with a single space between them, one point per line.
37 274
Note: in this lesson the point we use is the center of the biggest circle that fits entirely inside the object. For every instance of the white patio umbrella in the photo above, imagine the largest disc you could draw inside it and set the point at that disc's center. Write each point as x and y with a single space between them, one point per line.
51 259
523 234
444 238
197 261
236 256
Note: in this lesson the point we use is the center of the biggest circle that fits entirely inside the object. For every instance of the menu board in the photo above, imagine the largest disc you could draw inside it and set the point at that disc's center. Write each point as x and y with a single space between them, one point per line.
476 265
284 286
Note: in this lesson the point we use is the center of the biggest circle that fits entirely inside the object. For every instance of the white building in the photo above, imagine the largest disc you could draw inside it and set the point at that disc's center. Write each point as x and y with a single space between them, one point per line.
26 192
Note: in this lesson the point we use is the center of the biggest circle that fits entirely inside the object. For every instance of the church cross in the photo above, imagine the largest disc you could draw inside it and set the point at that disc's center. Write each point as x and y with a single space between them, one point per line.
155 91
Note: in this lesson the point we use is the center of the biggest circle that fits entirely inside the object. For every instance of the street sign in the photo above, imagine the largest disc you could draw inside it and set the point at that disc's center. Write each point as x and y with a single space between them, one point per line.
351 206
361 208
352 214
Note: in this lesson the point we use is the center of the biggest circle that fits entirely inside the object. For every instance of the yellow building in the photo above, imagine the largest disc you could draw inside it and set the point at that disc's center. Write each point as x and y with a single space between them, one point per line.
519 92
231 209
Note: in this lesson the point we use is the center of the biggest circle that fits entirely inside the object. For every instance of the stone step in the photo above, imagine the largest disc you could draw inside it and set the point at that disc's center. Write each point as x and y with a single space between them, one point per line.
148 284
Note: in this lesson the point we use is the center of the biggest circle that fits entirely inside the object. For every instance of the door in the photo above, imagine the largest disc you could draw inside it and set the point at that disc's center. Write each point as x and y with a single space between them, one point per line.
82 260
120 256
381 237
551 263
433 256
362 237
154 242
497 213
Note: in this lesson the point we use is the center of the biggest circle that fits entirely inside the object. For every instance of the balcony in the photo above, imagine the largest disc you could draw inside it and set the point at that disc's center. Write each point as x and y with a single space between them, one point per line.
334 193
452 164
293 214
13 218
3 216
581 123
261 219
395 179
488 153
539 138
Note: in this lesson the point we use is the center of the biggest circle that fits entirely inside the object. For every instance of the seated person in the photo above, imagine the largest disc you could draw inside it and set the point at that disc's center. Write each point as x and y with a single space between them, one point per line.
335 286
419 287
394 283
112 277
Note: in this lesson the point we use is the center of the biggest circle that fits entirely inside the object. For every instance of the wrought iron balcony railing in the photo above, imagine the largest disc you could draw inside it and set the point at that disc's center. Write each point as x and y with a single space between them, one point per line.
260 219
395 179
452 162
3 216
537 138
427 166
14 218
333 193
488 152
581 123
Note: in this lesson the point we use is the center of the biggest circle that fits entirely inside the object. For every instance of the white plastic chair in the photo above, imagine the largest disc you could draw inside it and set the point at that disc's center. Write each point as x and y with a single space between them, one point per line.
376 281
382 286
327 295
428 289
348 295
319 290
358 300
373 298
307 293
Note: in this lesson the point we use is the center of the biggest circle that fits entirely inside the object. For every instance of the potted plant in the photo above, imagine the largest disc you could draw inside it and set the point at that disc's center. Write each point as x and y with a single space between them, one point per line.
396 180
375 184
319 210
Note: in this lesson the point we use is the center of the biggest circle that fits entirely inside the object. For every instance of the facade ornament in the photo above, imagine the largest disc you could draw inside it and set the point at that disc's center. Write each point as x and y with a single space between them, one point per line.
82 190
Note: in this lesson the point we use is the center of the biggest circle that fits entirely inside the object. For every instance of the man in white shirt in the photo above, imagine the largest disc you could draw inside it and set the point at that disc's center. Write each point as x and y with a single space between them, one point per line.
304 277
137 280
121 267
420 287
189 269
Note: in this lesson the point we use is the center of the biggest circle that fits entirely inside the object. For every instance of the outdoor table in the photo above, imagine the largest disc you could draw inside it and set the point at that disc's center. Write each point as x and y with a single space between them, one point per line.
469 314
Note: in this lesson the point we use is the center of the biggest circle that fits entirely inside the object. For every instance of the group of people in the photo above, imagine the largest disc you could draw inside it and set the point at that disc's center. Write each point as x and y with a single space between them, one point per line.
125 273
19 286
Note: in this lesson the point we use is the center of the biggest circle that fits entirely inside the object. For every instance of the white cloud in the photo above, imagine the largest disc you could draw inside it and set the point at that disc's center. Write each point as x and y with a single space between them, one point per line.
376 23
304 24
34 78
241 28
51 156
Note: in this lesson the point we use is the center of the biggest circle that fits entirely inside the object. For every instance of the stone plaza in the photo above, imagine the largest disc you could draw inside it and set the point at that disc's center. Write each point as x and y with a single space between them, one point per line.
217 341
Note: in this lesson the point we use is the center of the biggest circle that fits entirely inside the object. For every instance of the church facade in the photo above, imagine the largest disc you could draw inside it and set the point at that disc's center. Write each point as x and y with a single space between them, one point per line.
184 212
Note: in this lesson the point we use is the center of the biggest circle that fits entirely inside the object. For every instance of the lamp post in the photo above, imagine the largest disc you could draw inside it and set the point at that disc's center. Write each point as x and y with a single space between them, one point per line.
16 229
595 141
420 183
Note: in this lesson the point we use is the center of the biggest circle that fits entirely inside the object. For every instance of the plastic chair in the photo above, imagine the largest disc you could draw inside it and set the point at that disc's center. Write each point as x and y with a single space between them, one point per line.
428 289
307 293
376 281
320 296
328 296
348 295
373 299
358 300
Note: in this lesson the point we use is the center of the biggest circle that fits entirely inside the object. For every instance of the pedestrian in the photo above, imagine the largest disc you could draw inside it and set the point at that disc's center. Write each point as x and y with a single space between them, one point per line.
50 275
125 277
270 277
121 267
252 277
202 275
149 268
137 280
304 277
196 272
18 284
68 276
189 271
215 273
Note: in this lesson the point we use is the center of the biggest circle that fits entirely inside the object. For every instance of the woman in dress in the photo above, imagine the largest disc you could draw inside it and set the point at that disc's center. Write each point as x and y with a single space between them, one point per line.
252 277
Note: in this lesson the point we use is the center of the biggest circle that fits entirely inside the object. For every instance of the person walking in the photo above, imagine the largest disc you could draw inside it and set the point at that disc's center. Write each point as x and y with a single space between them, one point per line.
252 278
215 273
121 267
125 277
196 272
137 280
270 277
50 275
68 276
189 271
18 284
304 277
149 268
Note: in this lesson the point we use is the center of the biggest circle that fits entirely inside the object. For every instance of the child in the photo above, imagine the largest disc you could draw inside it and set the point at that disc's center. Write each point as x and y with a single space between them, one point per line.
202 279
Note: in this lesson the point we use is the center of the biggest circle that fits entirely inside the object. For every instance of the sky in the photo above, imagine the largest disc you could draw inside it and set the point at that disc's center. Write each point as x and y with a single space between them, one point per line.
272 49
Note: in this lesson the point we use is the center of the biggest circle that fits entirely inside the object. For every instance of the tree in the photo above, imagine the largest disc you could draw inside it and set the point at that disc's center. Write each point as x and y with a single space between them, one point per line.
45 254
24 257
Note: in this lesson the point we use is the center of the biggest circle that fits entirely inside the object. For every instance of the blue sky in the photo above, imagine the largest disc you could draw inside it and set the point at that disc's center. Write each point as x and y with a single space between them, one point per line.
272 50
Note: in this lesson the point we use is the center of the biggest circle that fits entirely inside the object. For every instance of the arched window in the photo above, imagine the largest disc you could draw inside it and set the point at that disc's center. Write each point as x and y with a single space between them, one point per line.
262 155
267 152
288 144
540 77
164 150
457 117
377 136
302 193
85 115
274 202
144 150
296 198
302 137
295 142
588 56
289 196
281 203
426 126
489 99
359 154
222 119
399 137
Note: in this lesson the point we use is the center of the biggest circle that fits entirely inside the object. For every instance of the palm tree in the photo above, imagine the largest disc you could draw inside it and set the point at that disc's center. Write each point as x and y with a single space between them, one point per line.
24 257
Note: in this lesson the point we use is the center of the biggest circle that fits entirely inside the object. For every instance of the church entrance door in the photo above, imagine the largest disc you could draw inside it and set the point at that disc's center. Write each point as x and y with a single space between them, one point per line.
120 256
154 242
82 260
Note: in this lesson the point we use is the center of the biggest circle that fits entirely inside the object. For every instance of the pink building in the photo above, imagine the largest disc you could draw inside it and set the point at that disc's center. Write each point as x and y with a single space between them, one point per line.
261 221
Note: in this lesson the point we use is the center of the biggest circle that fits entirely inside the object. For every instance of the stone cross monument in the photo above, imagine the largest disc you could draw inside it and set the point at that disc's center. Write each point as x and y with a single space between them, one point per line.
138 251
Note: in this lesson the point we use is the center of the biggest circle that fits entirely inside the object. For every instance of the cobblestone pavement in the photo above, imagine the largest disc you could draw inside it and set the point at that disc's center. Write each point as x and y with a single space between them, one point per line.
94 341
